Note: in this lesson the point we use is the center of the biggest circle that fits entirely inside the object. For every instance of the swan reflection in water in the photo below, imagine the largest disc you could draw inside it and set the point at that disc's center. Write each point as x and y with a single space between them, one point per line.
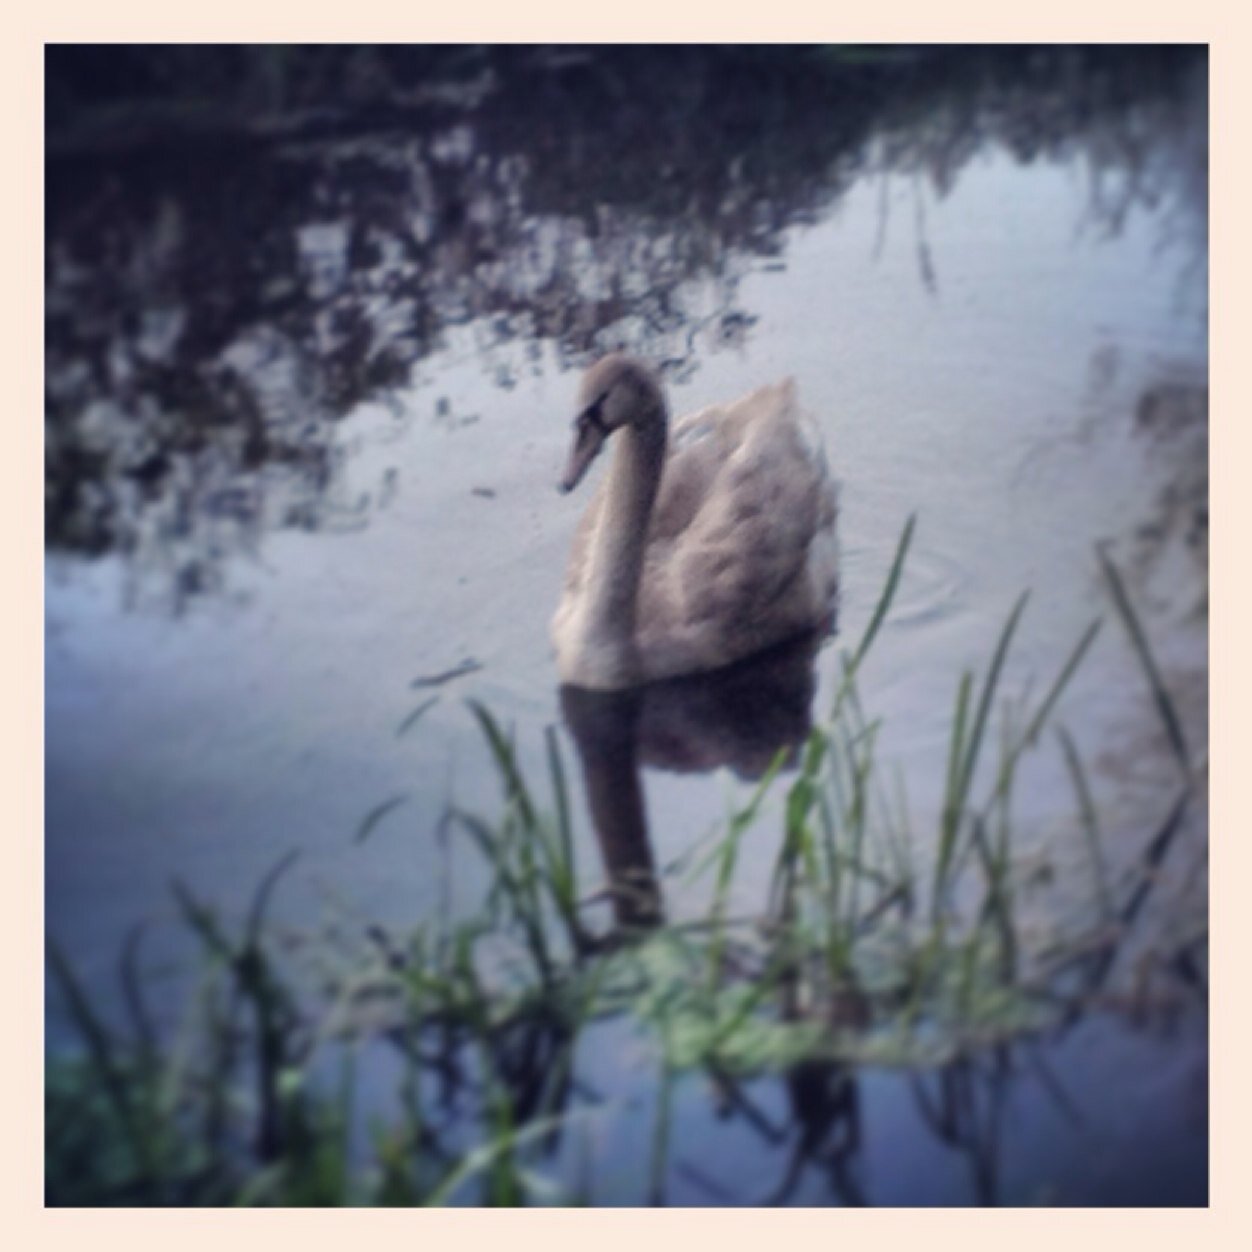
738 717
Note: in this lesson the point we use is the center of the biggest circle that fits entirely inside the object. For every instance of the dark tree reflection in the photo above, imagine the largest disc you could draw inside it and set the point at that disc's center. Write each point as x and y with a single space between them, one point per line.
245 243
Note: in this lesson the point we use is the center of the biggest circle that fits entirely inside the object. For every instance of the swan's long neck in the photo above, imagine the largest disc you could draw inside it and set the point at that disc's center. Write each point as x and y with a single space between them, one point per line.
621 537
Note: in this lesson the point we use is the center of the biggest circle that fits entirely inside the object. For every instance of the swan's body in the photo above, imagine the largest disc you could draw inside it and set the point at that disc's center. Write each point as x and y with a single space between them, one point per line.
700 549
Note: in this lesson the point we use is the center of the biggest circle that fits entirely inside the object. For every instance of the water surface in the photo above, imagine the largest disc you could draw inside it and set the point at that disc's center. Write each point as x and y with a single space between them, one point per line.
308 390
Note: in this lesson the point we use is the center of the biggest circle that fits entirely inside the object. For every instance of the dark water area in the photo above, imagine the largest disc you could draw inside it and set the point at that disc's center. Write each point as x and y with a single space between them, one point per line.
314 320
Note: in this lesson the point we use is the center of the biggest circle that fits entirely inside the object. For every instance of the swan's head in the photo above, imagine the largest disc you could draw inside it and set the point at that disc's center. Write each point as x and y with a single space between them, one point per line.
616 391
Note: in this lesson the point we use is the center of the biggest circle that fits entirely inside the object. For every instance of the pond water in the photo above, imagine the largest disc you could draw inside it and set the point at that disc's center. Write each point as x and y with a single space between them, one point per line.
309 385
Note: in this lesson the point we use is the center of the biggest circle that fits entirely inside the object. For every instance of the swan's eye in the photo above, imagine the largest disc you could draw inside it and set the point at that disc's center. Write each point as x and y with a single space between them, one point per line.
593 416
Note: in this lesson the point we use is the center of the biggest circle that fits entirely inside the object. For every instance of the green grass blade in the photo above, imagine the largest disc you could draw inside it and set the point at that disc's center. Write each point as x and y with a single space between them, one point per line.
560 795
950 821
200 918
661 1128
486 1155
1138 637
1090 821
1062 681
506 761
986 697
100 1051
888 593
416 716
376 815
261 899
132 990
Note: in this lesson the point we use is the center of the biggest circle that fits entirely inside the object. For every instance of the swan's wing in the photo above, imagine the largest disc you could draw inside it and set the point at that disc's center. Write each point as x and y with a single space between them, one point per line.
731 573
698 447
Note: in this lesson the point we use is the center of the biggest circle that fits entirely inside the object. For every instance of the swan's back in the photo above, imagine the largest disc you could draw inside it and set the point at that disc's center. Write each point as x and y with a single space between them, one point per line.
741 546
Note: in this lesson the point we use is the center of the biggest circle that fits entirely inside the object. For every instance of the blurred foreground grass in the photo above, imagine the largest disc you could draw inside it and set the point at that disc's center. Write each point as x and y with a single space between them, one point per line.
864 955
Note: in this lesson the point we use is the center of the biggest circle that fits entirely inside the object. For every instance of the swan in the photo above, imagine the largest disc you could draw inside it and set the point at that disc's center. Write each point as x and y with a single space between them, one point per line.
699 549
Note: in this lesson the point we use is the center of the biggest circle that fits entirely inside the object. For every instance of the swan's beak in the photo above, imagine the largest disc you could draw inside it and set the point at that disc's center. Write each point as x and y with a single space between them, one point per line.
588 440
